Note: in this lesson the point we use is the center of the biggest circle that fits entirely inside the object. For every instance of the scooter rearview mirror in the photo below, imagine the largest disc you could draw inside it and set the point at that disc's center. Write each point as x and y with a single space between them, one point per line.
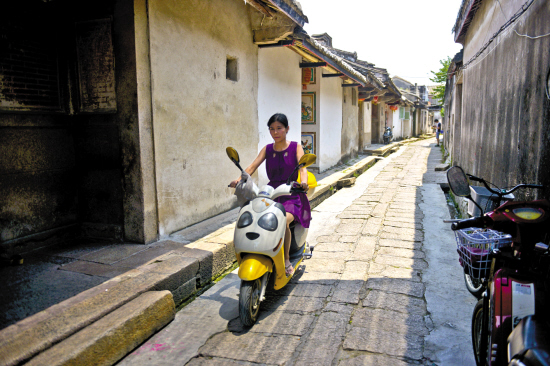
233 156
307 160
458 182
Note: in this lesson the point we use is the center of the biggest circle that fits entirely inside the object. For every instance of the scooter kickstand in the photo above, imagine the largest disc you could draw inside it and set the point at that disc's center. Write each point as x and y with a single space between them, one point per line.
308 252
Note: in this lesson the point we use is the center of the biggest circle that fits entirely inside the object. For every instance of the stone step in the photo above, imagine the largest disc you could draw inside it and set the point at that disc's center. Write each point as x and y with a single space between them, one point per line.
37 333
110 338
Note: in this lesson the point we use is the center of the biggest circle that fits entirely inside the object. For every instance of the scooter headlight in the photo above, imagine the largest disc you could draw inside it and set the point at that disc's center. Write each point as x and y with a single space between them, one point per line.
527 213
268 222
245 220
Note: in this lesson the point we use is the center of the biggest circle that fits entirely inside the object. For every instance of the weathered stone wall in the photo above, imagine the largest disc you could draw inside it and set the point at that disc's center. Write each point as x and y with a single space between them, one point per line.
62 170
350 123
197 110
505 121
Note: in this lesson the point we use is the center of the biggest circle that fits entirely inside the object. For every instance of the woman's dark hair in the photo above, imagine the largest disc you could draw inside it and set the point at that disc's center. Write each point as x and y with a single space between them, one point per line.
278 117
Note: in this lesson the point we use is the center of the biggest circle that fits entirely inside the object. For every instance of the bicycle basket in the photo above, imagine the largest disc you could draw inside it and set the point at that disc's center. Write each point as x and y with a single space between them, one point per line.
474 245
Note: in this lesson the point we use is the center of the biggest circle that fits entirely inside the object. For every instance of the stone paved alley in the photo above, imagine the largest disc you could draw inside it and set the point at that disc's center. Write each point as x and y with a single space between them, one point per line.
384 286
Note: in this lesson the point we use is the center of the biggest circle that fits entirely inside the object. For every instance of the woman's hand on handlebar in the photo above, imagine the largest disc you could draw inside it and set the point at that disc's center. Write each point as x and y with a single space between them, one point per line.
299 187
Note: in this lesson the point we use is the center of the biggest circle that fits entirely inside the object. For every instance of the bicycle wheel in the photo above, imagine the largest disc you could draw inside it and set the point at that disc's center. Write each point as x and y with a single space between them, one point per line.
473 285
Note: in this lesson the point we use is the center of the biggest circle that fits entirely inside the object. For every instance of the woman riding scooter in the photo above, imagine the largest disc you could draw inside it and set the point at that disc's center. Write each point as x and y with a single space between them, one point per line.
282 157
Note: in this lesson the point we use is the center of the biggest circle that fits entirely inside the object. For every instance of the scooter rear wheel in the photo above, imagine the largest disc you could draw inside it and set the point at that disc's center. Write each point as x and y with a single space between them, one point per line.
249 301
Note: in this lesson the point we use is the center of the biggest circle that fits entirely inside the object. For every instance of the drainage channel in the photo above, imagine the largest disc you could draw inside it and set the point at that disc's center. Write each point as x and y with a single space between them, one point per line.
451 204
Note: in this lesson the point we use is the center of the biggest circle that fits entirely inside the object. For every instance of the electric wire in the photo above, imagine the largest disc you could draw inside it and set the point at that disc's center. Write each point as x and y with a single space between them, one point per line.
531 37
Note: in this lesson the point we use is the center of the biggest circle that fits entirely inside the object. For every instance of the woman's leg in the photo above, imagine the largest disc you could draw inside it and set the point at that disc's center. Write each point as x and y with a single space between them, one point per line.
289 219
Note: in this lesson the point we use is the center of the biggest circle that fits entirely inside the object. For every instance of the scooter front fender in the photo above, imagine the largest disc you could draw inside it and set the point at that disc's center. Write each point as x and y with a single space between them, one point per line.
254 266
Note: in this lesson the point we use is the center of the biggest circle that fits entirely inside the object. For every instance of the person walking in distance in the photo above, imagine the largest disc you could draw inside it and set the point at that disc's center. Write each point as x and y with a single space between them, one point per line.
438 131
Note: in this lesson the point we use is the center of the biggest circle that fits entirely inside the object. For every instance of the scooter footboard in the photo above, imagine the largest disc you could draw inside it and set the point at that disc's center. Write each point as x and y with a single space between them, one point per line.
254 266
530 343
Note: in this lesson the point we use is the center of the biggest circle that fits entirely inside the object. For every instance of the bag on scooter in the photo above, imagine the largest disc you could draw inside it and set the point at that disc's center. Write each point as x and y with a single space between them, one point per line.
245 189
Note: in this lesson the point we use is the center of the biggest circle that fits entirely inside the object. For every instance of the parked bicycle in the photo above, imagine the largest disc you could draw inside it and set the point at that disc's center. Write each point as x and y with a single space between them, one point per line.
483 199
508 249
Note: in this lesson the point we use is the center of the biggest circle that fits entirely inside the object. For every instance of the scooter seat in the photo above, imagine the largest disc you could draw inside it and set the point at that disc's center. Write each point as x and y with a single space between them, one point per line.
529 342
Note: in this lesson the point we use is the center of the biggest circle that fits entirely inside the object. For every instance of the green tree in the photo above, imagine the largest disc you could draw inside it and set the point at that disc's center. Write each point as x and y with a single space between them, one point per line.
440 77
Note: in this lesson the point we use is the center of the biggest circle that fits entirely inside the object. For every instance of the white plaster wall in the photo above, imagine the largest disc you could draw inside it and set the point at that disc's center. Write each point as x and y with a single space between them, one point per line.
367 117
350 118
407 127
279 91
330 122
367 124
397 124
197 112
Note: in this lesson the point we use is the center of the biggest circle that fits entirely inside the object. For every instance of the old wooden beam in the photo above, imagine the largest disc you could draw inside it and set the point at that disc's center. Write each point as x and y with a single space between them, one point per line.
312 64
283 43
260 7
333 75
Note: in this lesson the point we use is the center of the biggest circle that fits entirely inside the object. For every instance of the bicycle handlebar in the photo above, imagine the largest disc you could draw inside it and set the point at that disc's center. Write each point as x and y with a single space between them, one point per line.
503 192
473 222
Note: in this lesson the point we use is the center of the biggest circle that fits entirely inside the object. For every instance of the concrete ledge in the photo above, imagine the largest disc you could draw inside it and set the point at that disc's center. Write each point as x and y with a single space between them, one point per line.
113 336
346 182
383 151
319 194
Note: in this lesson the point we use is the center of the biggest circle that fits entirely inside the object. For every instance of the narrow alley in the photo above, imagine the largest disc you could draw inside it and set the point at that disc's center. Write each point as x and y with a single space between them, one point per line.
384 286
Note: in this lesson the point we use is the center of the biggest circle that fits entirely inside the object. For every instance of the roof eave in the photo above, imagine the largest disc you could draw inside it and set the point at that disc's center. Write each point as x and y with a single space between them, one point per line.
333 62
460 30
298 17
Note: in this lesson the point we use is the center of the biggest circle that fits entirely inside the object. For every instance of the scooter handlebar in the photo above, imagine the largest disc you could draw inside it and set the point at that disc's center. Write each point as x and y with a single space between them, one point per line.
473 222
296 187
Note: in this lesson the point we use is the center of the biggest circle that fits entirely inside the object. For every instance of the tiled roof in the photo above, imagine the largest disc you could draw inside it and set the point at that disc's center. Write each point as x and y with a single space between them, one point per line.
292 9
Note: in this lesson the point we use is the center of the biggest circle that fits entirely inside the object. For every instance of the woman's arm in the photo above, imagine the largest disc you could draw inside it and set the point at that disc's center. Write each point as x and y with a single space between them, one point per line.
303 171
251 168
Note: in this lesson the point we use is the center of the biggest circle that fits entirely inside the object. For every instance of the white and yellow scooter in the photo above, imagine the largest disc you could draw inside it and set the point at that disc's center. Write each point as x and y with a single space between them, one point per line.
259 241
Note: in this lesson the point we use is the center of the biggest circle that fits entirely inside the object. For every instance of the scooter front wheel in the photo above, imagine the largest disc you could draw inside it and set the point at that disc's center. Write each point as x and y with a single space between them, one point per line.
249 301
480 334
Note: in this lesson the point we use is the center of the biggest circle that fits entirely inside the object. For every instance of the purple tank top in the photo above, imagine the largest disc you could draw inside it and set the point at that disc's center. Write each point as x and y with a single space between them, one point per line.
279 166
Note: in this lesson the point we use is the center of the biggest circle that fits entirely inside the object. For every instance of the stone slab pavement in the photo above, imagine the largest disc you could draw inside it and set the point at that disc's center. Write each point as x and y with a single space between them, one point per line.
384 286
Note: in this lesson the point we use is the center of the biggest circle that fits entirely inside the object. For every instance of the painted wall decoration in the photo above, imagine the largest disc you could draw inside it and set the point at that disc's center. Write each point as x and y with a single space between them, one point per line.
308 75
308 108
308 143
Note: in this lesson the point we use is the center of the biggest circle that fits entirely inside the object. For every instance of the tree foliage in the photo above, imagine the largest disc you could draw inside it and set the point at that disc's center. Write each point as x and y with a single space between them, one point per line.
440 77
